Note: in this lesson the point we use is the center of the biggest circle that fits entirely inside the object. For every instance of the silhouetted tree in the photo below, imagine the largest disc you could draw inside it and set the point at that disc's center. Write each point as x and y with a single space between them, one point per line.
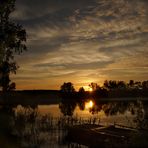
145 84
82 94
67 88
12 38
131 83
81 90
111 84
121 84
106 84
138 84
94 86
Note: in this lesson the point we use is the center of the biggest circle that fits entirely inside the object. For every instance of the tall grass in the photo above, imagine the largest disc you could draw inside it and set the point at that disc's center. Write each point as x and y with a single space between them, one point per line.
34 129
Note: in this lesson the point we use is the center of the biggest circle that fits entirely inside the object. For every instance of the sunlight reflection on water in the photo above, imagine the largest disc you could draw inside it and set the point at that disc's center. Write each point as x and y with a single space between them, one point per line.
88 111
89 104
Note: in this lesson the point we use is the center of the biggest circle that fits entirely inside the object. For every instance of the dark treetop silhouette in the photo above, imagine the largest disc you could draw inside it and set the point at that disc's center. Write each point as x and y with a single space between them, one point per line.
12 38
110 89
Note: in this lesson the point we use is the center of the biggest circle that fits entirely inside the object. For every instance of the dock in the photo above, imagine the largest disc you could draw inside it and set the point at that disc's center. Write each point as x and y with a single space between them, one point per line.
95 136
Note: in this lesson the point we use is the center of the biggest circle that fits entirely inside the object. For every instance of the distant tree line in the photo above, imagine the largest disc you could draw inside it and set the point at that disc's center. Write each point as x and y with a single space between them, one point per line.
110 88
113 88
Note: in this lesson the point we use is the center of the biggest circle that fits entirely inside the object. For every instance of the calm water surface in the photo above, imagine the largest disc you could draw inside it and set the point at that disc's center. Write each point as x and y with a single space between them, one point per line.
125 118
45 126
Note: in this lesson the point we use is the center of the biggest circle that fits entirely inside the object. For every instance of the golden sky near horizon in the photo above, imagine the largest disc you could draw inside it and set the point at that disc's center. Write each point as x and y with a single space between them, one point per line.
82 41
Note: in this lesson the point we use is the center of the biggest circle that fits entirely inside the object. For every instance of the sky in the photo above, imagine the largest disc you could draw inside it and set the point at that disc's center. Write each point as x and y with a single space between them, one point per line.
81 41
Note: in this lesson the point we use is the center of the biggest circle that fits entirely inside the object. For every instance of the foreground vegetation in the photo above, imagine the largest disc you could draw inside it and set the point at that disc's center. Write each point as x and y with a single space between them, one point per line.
26 127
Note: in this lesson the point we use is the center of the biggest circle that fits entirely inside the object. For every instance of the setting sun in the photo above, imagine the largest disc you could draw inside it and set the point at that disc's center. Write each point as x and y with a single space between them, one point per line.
89 104
87 88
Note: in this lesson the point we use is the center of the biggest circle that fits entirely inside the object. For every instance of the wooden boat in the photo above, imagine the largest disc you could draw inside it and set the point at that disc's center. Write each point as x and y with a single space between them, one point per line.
100 136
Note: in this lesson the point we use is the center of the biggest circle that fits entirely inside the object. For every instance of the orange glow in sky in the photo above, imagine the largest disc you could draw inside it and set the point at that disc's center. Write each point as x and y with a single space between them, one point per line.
87 88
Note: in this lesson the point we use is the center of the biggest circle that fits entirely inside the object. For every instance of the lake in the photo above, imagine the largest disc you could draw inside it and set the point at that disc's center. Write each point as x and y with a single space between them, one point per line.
47 125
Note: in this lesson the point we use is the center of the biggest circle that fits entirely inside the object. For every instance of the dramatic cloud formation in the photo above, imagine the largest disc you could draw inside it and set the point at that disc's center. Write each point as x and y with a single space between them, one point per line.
82 41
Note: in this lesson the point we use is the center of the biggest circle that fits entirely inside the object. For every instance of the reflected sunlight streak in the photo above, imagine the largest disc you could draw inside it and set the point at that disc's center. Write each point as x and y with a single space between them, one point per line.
89 104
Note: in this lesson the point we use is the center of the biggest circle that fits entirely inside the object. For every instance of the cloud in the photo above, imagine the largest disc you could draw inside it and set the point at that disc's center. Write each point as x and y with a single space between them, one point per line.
85 39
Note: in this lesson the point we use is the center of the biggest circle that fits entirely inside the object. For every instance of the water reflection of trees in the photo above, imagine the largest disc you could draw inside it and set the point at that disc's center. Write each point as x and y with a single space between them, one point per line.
67 107
136 108
110 108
